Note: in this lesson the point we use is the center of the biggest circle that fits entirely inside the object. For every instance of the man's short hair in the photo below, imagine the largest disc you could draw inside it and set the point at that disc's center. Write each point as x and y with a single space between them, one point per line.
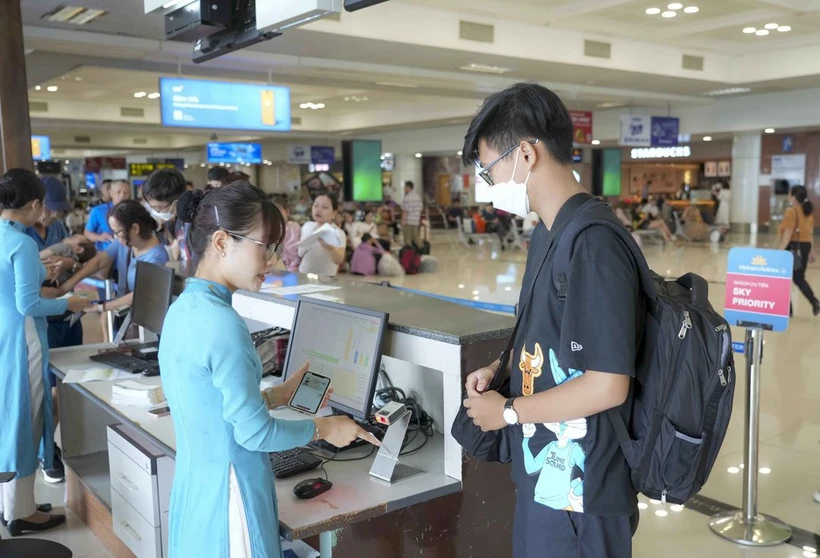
217 174
409 184
164 185
525 111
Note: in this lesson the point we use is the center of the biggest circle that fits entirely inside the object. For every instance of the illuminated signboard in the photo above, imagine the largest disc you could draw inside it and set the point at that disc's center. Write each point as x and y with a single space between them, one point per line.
190 103
40 148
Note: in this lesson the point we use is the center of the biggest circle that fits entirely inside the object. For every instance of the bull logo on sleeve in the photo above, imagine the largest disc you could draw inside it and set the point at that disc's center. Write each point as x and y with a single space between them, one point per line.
530 366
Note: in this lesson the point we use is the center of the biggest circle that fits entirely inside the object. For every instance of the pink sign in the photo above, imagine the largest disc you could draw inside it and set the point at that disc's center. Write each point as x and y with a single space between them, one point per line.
758 294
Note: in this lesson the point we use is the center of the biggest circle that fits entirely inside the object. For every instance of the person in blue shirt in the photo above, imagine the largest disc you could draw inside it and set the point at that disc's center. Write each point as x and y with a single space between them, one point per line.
135 239
161 192
223 500
97 229
25 403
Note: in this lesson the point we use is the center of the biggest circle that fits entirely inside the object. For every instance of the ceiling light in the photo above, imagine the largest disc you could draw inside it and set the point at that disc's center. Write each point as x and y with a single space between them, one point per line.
771 26
654 502
312 106
707 138
461 285
78 79
475 293
86 16
418 155
728 91
642 505
508 289
185 166
669 14
675 6
485 68
784 29
153 95
459 152
63 13
397 84
140 94
596 142
676 507
475 298
661 513
67 162
765 471
37 88
691 9
761 32
52 88
733 470
749 30
202 165
653 11
769 130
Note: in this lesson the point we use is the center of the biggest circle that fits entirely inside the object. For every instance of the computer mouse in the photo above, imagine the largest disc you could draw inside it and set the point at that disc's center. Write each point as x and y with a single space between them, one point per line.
150 372
310 488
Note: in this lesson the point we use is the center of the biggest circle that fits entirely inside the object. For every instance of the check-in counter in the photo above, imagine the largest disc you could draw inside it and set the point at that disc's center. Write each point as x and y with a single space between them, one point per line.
120 459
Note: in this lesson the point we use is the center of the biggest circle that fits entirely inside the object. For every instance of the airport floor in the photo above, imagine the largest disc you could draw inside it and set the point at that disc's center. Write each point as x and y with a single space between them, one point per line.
789 420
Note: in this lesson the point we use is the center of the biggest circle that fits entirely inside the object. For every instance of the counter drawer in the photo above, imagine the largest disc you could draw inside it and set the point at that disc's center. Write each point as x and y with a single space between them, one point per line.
134 485
140 537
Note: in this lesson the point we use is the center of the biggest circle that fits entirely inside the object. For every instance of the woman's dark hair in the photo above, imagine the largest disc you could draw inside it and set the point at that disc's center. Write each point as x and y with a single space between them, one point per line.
164 185
334 199
241 208
802 196
19 187
131 212
366 238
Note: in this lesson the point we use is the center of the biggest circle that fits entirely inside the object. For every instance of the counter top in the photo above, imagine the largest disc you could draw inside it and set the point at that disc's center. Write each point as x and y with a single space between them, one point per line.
418 315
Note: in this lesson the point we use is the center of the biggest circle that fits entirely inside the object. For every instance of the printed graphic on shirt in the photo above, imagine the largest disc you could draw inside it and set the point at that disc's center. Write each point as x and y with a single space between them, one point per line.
560 465
576 347
530 367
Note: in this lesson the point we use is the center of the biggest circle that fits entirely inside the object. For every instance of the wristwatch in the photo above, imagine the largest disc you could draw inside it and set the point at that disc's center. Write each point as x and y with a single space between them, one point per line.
510 414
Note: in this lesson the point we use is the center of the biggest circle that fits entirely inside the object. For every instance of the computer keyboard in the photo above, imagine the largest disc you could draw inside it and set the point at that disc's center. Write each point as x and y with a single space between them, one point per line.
125 362
292 462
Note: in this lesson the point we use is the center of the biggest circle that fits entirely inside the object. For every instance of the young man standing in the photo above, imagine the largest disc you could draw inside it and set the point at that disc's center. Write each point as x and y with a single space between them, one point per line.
161 191
572 360
411 209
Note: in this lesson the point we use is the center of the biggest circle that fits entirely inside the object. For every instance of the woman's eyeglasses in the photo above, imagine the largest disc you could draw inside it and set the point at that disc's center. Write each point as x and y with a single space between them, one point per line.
271 250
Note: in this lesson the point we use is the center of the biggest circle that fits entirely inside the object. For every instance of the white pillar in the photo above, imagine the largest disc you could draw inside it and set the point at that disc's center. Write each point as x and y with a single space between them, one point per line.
745 179
407 167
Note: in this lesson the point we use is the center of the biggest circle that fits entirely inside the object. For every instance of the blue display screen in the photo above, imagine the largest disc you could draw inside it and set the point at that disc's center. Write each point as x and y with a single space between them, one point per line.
41 148
190 103
235 153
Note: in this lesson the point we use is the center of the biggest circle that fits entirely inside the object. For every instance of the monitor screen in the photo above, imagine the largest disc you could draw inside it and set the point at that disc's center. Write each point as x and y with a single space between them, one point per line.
235 153
342 343
191 103
363 170
40 148
153 288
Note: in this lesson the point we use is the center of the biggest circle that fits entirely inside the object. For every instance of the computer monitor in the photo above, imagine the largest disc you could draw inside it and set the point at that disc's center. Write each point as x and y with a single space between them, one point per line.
153 288
343 343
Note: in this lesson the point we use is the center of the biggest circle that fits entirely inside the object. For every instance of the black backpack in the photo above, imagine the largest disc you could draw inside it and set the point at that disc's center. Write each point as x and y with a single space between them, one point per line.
683 389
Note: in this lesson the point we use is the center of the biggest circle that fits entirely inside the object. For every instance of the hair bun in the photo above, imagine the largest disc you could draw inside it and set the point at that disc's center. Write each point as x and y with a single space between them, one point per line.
188 205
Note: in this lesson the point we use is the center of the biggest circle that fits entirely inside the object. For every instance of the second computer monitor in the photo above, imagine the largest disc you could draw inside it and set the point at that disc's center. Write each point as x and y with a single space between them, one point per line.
343 343
153 288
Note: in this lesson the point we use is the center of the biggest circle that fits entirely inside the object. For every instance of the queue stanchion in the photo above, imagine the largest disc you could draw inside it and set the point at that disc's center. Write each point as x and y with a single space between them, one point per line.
758 293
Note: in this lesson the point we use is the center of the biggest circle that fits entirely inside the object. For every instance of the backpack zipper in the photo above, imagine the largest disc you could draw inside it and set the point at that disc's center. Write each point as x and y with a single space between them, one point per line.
663 496
686 326
722 377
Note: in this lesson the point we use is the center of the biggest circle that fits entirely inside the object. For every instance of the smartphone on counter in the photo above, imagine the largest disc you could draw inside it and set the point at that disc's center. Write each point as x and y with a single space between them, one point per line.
161 412
311 392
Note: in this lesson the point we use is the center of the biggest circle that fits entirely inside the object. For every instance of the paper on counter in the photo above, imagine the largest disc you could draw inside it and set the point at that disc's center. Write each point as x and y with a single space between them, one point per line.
95 375
298 289
326 231
327 298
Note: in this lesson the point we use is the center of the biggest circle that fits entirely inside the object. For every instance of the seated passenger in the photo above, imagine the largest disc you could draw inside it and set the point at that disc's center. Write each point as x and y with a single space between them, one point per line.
366 257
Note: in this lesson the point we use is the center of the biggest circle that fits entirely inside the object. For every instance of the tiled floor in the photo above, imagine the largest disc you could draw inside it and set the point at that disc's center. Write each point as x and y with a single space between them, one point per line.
790 406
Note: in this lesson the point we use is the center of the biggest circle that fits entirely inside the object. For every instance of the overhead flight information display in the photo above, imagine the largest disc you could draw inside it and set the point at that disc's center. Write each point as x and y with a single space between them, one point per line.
189 103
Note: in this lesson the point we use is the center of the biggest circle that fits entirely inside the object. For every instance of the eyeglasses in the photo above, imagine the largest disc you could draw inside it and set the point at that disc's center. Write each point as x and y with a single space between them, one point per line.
271 250
485 172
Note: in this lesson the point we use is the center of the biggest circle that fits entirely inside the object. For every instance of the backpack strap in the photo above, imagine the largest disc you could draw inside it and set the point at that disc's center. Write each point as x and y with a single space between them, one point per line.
596 213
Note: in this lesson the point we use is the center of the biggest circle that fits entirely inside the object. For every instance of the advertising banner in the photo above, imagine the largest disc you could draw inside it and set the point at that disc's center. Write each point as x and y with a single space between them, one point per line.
636 131
191 103
665 131
581 126
40 148
235 153
322 154
299 154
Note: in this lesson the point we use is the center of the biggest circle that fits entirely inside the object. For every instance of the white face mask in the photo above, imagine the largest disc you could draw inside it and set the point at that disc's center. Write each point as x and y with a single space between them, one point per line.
511 196
161 217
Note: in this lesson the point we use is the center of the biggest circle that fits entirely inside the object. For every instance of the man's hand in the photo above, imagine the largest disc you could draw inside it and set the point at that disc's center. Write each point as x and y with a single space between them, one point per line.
487 411
478 381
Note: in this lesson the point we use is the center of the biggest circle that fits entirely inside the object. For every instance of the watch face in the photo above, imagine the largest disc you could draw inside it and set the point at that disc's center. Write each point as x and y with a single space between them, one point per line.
510 416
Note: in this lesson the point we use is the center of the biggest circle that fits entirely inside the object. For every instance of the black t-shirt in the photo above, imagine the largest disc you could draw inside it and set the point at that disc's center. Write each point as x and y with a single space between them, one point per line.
576 465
